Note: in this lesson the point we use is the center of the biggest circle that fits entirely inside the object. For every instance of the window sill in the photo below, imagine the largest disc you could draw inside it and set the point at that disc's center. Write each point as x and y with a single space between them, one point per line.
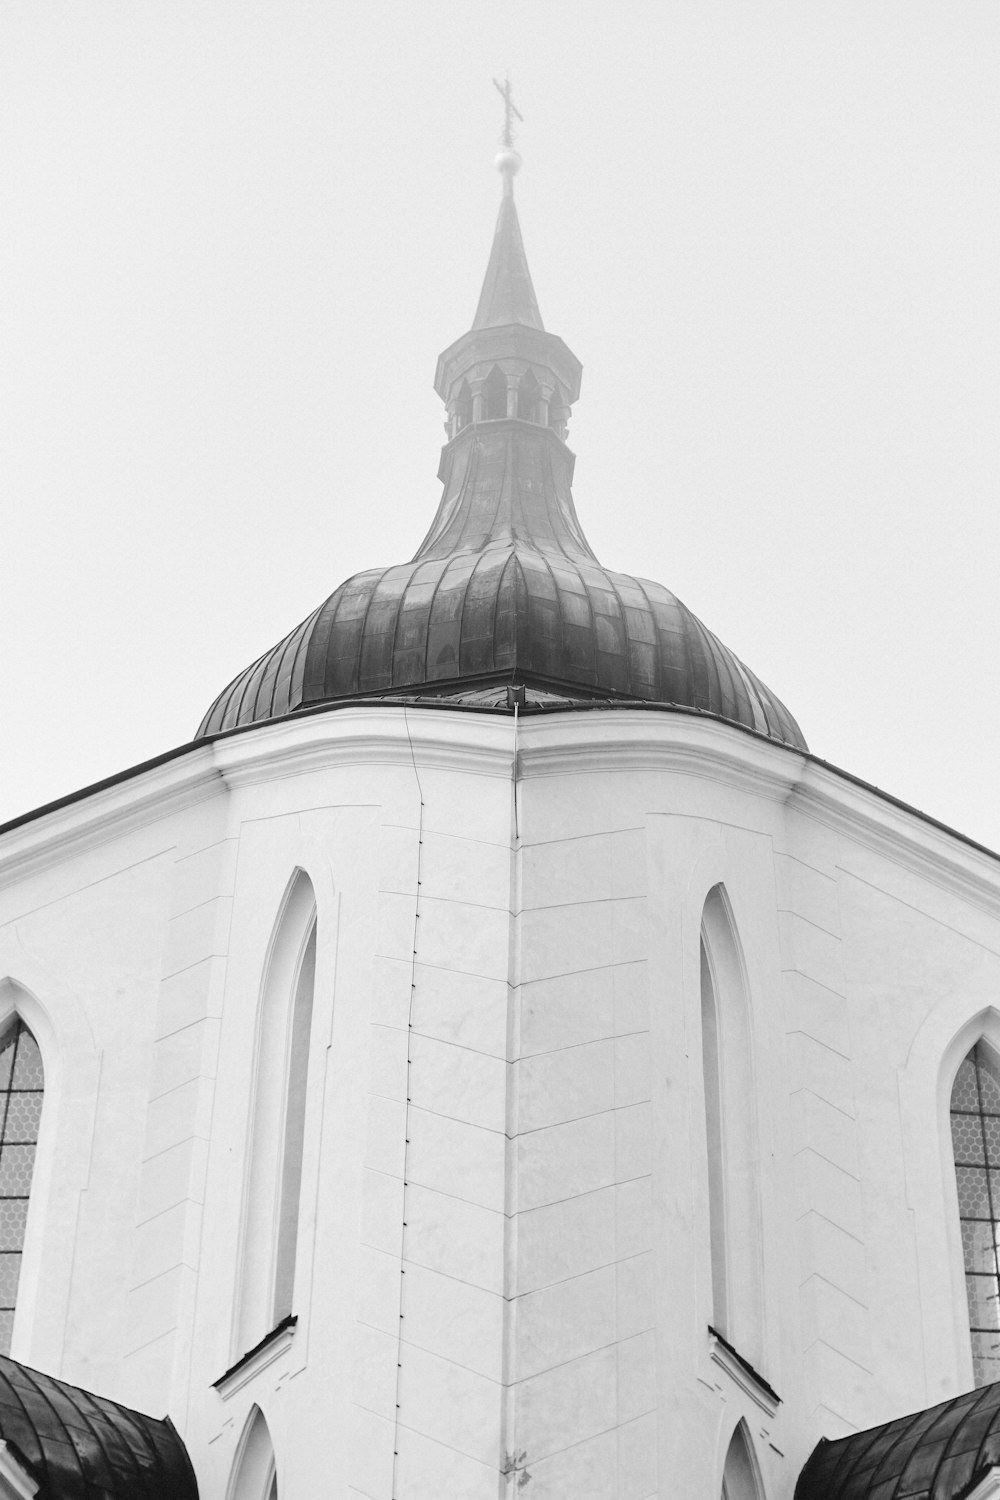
256 1359
742 1373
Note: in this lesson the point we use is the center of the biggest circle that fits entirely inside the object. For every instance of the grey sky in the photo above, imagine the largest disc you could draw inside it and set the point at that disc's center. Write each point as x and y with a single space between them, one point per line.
236 236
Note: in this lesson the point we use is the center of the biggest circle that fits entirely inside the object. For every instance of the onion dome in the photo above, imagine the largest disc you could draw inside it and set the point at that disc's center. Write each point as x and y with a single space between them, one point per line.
59 1440
943 1453
504 590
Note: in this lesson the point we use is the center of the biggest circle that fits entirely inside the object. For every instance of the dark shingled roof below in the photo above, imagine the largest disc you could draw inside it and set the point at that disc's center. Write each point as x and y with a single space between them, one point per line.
938 1454
84 1447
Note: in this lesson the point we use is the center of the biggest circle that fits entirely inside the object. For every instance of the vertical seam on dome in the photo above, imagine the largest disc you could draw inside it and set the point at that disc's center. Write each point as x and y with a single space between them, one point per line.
302 648
271 658
447 562
621 605
361 633
481 558
640 584
559 615
243 686
24 1412
397 618
511 565
312 672
87 1422
553 490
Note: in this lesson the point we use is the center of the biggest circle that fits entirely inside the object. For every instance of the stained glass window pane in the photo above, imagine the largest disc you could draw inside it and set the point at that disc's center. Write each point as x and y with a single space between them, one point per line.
967 1139
975 1134
978 1245
988 1077
984 1301
985 1357
21 1084
965 1094
973 1194
27 1062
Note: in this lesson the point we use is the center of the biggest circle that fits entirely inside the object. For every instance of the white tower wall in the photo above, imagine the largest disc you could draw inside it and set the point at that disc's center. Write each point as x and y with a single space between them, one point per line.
504 1274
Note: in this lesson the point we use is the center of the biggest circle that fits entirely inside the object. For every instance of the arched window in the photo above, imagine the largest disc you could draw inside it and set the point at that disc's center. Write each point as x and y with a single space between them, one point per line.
529 397
21 1087
463 407
494 395
730 1133
254 1476
739 1479
975 1133
274 1179
714 1140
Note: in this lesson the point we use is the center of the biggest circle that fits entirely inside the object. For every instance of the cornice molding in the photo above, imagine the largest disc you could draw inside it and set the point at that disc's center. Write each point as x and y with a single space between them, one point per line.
367 736
710 750
550 744
108 812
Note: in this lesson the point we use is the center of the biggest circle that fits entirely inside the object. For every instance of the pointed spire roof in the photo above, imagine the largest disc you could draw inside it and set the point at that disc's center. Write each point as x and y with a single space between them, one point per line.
507 295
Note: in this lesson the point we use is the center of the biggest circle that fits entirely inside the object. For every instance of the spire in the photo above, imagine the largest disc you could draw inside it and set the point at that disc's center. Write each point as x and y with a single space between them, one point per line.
507 295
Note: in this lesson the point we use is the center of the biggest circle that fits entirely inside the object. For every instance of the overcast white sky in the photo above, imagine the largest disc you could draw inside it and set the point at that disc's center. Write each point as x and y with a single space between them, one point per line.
235 236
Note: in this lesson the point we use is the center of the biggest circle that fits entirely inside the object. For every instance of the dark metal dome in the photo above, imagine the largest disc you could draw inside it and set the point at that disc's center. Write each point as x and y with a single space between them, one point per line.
77 1446
505 588
938 1454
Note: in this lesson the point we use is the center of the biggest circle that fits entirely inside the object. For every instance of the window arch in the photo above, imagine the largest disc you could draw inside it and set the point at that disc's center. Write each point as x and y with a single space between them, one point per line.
975 1134
529 397
463 407
277 1130
254 1474
494 395
739 1478
22 1084
730 1132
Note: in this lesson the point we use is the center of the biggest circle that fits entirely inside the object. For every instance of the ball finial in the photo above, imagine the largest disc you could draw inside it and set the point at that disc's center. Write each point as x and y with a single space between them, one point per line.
508 160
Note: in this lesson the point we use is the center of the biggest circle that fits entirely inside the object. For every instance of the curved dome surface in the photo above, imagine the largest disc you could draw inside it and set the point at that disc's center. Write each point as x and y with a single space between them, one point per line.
505 587
942 1453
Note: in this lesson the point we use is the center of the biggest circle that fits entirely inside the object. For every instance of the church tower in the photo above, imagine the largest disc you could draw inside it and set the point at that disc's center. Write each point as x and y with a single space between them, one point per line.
495 1058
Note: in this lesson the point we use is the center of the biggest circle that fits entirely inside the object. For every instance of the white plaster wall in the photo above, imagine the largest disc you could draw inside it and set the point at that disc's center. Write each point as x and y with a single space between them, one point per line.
503 1283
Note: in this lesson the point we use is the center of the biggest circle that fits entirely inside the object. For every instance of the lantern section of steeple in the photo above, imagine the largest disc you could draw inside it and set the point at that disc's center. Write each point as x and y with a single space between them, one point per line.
507 365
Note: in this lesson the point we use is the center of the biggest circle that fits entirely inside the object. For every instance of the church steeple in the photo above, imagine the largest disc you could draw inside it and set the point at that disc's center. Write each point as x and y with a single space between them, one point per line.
507 295
504 591
507 365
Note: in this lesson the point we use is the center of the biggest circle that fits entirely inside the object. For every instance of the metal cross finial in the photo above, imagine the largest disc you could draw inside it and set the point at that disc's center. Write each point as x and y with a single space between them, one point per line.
509 110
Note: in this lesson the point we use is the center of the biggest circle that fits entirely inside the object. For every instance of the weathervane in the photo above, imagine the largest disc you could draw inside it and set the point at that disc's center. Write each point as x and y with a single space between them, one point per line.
509 110
508 160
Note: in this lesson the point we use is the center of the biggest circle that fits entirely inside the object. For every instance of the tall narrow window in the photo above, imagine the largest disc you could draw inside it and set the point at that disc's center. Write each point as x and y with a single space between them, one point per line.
975 1133
739 1480
290 1185
463 407
21 1086
277 1132
730 1133
494 395
713 1135
254 1476
529 397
